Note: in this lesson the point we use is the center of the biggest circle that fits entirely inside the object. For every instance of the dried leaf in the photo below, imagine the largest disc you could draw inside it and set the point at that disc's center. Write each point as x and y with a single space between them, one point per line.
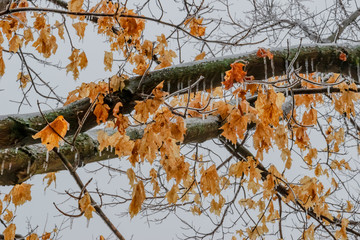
200 56
51 177
52 134
85 206
138 197
9 232
80 29
20 194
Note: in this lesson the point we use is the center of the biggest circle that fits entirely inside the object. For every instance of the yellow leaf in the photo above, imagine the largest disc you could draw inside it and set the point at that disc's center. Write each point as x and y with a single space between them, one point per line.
33 236
101 237
80 29
51 177
24 79
75 5
138 197
20 194
108 60
52 134
28 36
60 28
131 175
172 195
9 232
349 206
209 182
2 64
309 233
8 216
195 210
15 44
200 56
85 206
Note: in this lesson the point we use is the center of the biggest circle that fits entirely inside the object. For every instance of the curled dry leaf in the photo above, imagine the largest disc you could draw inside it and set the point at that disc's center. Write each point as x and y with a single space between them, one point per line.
52 134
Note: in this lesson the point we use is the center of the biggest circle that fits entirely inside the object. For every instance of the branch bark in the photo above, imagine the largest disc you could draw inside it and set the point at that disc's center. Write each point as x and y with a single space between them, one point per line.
16 130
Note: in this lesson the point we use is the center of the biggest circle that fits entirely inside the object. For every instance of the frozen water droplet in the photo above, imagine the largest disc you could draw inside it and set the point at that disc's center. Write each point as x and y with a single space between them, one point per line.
2 167
16 150
307 67
72 148
28 167
265 68
111 148
99 153
87 223
286 92
71 223
168 86
328 90
349 70
358 71
10 165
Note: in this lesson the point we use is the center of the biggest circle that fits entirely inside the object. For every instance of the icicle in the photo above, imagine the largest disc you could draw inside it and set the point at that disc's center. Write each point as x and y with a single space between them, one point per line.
272 67
71 223
286 92
87 223
307 67
286 65
265 68
99 153
358 70
16 150
2 167
10 164
312 64
297 65
349 70
328 90
211 87
72 148
47 156
111 148
203 92
168 86
28 167
76 158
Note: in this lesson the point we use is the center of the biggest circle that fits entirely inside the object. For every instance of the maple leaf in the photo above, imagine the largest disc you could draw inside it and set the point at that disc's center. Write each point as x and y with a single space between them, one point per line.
60 27
101 112
9 232
46 43
264 53
80 29
209 182
172 195
8 216
75 5
76 60
131 175
24 79
20 194
85 206
310 117
15 44
33 236
28 36
52 134
108 60
195 210
215 207
342 233
51 177
200 56
196 27
236 73
117 83
138 197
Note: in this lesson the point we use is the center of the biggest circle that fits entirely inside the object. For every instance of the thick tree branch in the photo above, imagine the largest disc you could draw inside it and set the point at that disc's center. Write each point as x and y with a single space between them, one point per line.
16 130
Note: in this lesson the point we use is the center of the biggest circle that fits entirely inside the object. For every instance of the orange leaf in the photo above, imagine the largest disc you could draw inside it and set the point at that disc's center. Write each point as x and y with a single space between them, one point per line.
236 73
8 216
172 195
51 177
33 236
200 56
80 29
85 206
20 194
9 232
108 60
138 197
209 182
343 56
264 53
52 134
